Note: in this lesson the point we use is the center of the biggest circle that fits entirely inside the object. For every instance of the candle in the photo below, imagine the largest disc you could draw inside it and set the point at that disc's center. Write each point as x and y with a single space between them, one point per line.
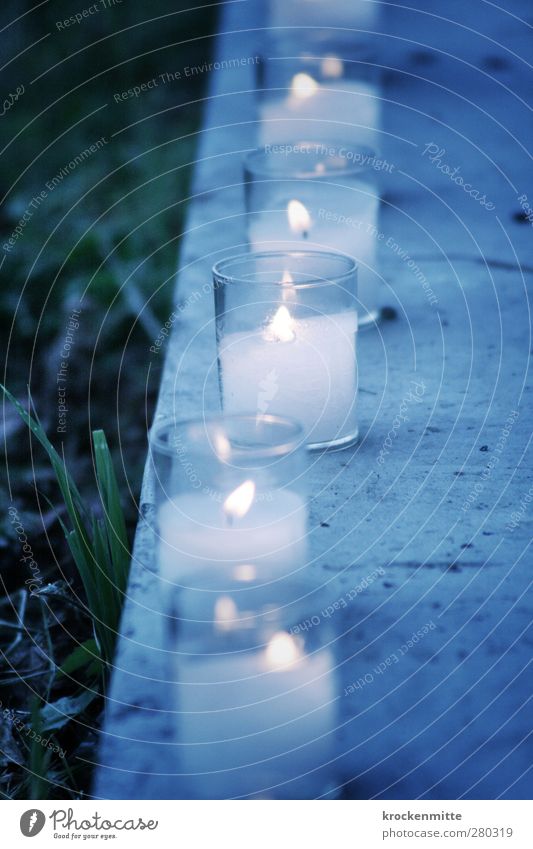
228 512
337 108
249 537
286 333
317 196
309 363
257 722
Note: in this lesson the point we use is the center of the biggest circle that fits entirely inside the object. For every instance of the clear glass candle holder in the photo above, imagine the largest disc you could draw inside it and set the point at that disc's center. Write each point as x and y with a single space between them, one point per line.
286 333
319 196
252 694
230 508
256 717
317 94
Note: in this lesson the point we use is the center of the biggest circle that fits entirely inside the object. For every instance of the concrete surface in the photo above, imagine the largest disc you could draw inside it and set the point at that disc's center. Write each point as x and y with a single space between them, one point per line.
451 716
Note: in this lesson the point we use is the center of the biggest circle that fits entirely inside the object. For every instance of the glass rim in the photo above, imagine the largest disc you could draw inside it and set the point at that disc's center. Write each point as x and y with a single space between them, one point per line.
358 57
259 162
205 426
222 276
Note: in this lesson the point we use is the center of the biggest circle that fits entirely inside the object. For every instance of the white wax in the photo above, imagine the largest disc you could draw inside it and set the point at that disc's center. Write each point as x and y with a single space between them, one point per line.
312 378
229 708
345 111
196 536
341 220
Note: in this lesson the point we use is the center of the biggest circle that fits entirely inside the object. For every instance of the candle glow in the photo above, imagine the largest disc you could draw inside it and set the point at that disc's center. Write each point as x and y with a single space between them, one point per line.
225 613
240 500
303 86
245 572
332 67
282 651
288 291
222 446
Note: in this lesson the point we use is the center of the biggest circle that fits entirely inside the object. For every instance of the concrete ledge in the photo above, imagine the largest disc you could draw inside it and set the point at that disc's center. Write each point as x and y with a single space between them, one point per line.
451 719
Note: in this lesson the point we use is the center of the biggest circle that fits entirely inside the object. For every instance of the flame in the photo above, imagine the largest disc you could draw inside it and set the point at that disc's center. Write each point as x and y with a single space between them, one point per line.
240 500
282 650
222 446
280 328
299 218
225 613
287 292
332 67
245 572
303 86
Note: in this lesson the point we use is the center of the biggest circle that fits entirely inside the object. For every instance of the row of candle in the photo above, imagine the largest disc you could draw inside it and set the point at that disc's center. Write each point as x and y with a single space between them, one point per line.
256 701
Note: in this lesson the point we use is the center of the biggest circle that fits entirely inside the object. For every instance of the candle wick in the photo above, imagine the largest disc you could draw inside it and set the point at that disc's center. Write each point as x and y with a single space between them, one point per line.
305 234
229 520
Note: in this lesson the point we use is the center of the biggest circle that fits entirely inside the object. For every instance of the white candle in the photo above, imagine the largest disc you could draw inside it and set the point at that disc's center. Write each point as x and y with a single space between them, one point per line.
249 536
252 720
340 219
340 109
304 368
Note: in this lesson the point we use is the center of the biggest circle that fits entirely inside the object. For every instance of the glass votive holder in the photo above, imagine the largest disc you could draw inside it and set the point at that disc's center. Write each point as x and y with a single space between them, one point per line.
316 95
319 196
256 716
229 502
286 334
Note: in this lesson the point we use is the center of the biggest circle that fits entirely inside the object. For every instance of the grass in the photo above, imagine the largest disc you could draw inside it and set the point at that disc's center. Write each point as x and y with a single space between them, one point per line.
104 241
98 542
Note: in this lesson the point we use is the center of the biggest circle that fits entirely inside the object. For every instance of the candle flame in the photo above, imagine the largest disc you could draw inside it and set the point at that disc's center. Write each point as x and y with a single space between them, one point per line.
332 67
225 614
282 650
299 218
287 292
303 86
222 446
240 500
280 328
245 572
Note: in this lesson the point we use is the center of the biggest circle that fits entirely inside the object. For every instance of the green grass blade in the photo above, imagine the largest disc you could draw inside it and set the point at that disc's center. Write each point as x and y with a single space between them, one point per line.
99 547
69 491
110 597
82 557
85 656
113 514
